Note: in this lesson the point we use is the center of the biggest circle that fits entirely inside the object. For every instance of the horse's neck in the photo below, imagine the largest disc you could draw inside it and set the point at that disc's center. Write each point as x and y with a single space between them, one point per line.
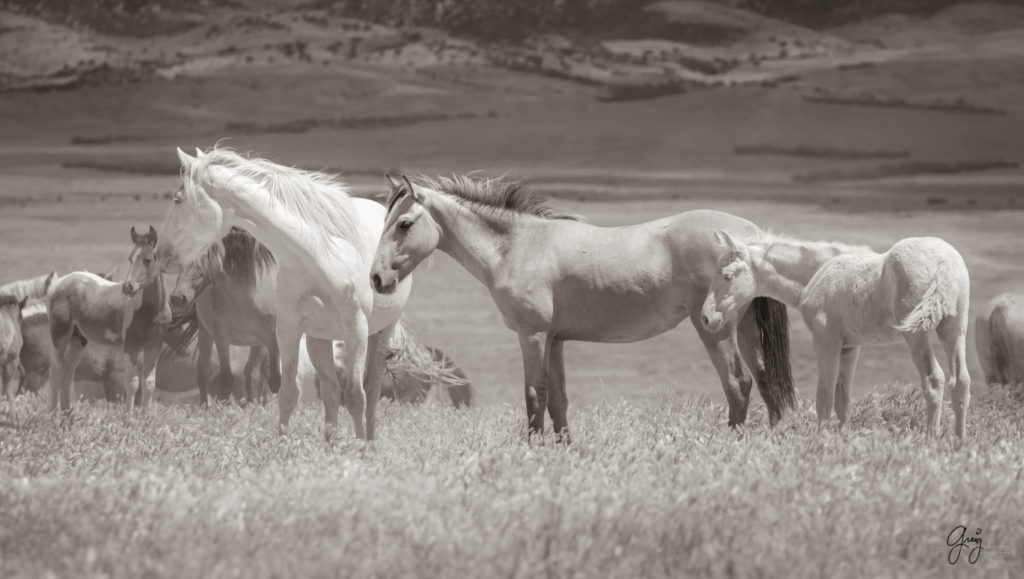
286 235
478 242
785 267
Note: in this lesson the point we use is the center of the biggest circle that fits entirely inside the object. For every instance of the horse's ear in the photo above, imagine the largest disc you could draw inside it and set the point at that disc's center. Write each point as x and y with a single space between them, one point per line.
186 161
49 280
110 275
727 240
412 190
394 185
21 304
151 236
135 236
199 153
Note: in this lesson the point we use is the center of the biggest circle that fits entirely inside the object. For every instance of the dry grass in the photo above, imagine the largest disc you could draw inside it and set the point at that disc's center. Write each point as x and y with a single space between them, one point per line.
658 489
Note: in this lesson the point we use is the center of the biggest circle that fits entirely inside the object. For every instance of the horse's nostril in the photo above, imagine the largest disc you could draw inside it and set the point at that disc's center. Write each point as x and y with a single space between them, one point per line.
705 320
375 279
177 300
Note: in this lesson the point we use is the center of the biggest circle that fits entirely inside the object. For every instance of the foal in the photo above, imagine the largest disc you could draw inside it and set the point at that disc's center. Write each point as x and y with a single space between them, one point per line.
84 307
851 296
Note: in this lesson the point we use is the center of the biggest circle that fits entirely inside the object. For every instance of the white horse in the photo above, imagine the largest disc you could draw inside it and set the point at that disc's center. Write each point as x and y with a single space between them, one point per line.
555 278
323 240
999 338
851 296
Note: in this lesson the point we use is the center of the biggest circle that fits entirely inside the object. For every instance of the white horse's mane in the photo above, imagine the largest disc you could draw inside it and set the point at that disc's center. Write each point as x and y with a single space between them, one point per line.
320 200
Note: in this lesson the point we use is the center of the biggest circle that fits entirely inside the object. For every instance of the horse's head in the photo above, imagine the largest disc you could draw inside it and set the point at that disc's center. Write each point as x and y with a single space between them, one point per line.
410 234
144 267
192 280
733 285
196 220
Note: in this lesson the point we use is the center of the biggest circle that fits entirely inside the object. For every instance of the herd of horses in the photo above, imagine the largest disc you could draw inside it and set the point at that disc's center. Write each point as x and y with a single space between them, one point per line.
286 262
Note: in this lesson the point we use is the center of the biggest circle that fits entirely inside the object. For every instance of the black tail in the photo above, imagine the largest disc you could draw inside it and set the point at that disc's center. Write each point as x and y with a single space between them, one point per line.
999 347
776 384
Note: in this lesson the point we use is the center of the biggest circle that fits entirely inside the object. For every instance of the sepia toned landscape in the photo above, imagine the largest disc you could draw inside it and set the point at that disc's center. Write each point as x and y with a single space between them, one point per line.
863 123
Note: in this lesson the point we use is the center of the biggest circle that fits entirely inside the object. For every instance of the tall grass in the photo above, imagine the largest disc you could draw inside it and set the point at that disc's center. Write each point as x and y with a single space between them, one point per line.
664 489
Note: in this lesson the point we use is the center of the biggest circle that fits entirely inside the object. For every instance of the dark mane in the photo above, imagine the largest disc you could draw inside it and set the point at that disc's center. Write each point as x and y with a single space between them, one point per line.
500 196
244 257
8 300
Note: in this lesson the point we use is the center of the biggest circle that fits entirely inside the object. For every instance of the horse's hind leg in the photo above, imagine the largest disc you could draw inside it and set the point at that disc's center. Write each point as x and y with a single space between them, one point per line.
847 365
932 380
953 335
67 360
722 350
828 352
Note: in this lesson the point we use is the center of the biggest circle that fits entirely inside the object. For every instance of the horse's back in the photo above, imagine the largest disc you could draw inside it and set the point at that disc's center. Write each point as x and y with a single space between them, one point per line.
88 301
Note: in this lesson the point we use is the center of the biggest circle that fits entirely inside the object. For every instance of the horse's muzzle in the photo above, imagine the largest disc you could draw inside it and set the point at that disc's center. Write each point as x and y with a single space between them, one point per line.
380 287
129 289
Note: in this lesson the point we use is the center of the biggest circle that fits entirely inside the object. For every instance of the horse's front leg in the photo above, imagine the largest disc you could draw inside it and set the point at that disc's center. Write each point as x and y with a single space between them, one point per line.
725 357
226 381
288 336
376 369
205 352
844 386
558 405
132 367
150 356
536 349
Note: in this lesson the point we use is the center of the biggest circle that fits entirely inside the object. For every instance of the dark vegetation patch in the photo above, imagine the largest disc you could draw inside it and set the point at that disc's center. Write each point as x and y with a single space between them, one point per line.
907 169
818 152
374 122
134 18
959 105
640 91
105 139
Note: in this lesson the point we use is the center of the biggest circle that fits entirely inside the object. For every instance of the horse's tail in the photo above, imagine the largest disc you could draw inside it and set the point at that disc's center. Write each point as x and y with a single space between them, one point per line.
408 355
776 384
999 345
933 307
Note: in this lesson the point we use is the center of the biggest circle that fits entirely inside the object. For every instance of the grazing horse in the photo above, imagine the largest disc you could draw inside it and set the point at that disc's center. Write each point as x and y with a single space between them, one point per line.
35 287
413 369
232 287
555 278
851 296
10 343
999 338
323 241
85 308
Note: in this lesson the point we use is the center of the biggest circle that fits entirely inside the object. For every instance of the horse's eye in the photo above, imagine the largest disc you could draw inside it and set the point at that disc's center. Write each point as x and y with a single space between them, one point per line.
147 261
728 276
405 224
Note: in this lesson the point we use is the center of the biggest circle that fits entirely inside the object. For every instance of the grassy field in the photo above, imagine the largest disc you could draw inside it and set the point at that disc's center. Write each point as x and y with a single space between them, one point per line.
654 489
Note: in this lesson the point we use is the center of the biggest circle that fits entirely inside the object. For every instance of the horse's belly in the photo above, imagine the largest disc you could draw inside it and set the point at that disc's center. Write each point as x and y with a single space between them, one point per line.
624 321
